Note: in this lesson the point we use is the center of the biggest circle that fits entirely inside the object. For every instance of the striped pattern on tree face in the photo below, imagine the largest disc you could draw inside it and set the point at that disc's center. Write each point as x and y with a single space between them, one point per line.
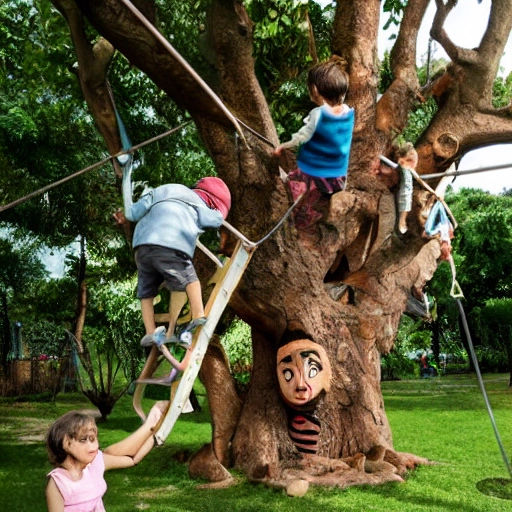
304 430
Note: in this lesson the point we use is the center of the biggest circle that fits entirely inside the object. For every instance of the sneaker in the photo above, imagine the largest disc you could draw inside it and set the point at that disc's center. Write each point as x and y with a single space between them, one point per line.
186 342
147 340
185 333
186 339
192 325
157 338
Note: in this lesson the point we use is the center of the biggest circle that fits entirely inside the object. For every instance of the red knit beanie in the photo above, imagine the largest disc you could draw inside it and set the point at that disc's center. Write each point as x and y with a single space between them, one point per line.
215 193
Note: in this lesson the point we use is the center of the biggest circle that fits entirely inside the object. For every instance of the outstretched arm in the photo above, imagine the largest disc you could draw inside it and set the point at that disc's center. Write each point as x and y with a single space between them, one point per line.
131 450
133 211
304 134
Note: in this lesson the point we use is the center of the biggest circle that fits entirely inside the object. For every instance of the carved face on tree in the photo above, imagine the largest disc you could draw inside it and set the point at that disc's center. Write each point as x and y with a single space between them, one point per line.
303 372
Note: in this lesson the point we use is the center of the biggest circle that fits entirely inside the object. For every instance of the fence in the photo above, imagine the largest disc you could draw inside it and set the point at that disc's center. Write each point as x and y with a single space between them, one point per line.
34 376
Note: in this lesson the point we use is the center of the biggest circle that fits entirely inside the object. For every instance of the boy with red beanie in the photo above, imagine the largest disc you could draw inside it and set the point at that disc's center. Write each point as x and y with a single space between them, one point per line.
169 220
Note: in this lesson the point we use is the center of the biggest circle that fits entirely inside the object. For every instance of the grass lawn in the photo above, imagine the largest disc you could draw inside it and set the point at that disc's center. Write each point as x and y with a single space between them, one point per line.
443 419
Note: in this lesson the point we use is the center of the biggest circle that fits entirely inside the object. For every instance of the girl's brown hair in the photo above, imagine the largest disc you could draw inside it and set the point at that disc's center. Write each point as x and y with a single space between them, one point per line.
72 425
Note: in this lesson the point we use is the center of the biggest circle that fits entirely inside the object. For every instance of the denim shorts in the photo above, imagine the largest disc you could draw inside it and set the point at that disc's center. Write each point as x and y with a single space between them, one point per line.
157 265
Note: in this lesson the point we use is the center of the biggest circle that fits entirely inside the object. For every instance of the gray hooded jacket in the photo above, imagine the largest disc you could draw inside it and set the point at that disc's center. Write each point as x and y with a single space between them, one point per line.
171 216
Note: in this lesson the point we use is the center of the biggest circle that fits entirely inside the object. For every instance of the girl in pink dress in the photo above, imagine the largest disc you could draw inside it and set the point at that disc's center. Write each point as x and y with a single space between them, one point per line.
77 484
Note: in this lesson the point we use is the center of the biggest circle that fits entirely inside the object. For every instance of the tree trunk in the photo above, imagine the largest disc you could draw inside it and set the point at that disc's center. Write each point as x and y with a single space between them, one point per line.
344 284
6 331
81 301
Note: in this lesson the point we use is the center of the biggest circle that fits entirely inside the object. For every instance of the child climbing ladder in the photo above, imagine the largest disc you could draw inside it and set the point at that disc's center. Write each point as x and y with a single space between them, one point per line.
227 279
169 220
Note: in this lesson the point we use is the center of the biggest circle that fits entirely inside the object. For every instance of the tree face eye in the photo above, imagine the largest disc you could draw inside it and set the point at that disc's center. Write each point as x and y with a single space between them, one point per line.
313 368
288 375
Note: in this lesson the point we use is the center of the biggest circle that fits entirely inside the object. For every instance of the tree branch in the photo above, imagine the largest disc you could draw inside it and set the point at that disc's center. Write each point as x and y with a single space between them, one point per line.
395 104
489 127
229 39
403 54
457 54
121 27
355 31
493 43
93 65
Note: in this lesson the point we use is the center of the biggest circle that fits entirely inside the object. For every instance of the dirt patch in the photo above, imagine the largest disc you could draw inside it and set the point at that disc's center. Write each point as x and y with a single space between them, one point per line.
27 430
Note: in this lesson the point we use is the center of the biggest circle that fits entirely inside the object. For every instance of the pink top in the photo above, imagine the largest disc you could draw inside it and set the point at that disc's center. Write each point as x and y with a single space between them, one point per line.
84 495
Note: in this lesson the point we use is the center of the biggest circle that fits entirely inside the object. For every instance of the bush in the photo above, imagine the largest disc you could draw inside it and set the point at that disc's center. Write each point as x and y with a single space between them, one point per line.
395 366
45 338
238 346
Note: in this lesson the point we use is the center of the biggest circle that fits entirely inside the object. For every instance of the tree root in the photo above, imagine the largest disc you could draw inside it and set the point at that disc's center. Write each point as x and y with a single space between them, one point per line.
204 464
379 466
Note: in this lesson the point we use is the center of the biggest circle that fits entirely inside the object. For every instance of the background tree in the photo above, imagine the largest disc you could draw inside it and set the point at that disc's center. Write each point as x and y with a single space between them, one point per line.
19 268
346 285
495 326
112 357
481 251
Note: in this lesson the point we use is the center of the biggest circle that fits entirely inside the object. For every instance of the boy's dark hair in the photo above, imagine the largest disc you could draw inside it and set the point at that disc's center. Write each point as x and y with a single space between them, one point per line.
330 80
71 425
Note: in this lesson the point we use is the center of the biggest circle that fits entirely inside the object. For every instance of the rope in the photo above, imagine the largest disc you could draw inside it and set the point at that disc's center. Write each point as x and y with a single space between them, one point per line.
482 387
280 222
91 167
257 134
185 64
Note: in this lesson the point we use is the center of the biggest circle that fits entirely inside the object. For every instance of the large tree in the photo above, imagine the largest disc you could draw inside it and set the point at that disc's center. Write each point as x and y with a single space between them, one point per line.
346 284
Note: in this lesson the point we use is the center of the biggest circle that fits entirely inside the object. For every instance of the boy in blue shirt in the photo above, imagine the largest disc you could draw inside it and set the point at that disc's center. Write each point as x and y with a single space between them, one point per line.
324 142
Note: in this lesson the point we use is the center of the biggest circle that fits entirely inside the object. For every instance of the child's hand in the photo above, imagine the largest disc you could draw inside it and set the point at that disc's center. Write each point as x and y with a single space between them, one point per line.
119 216
278 150
156 413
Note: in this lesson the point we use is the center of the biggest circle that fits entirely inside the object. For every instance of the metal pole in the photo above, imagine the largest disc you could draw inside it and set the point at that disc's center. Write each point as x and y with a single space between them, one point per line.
466 171
482 387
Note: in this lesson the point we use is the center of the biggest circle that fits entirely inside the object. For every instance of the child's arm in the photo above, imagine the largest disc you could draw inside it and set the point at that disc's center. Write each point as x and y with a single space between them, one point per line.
54 499
304 134
134 211
131 450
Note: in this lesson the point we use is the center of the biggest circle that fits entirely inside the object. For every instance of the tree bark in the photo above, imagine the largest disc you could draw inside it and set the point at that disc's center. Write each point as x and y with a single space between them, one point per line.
344 283
81 300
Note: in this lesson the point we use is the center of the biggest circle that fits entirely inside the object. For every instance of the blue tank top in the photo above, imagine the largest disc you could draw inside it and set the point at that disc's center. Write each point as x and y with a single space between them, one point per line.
327 153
